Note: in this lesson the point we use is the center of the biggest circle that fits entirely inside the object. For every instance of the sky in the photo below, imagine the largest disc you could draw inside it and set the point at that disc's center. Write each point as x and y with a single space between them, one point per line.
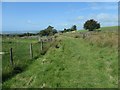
36 16
60 0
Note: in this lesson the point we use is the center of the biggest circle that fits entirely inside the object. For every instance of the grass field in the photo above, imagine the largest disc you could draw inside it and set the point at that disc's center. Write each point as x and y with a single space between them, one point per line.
74 62
21 55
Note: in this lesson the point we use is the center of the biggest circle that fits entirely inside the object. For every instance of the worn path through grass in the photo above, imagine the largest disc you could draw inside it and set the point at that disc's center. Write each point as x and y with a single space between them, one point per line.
74 64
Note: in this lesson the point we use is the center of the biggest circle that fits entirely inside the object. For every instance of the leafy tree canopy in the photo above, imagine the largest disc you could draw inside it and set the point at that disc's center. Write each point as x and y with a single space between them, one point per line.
74 28
91 25
48 31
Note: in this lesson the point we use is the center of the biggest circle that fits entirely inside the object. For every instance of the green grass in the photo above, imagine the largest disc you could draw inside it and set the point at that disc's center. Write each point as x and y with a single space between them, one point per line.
21 56
76 63
111 28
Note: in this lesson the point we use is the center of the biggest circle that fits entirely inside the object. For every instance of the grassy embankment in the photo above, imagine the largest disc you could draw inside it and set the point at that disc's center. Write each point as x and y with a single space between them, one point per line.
21 54
74 62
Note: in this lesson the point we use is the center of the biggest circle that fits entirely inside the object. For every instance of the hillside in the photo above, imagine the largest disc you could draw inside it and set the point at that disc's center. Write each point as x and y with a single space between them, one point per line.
74 62
110 28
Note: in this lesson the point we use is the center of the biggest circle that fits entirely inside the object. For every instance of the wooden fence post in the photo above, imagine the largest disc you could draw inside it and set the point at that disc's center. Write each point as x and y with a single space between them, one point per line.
39 38
11 57
84 35
31 51
41 45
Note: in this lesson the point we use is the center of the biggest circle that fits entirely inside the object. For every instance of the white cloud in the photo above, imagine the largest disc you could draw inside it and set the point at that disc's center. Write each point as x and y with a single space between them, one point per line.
96 6
103 17
107 17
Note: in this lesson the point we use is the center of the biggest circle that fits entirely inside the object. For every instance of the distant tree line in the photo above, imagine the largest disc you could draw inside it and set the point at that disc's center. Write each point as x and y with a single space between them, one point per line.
49 31
89 25
20 35
27 34
73 28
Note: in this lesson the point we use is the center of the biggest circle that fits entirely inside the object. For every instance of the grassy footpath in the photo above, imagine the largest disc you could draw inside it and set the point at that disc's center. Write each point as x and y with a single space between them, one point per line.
75 63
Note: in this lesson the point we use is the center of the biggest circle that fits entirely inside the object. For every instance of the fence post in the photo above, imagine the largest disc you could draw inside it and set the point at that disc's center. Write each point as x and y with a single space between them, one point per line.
84 35
11 57
39 38
41 45
31 51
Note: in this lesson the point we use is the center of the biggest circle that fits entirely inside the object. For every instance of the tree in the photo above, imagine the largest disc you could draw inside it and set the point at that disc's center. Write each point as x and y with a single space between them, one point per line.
68 30
74 28
48 31
54 31
91 25
65 30
43 33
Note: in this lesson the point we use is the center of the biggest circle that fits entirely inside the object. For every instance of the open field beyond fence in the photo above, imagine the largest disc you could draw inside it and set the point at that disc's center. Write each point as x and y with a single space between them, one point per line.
20 53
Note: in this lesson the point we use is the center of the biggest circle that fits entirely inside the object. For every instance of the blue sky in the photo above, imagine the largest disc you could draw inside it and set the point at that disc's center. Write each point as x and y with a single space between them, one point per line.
35 16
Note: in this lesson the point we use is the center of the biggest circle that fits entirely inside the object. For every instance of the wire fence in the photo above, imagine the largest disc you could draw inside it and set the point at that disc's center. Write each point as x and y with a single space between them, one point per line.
18 55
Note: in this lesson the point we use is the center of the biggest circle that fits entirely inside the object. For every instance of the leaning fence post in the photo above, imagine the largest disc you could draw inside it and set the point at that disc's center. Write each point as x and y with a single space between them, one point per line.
41 45
11 57
31 52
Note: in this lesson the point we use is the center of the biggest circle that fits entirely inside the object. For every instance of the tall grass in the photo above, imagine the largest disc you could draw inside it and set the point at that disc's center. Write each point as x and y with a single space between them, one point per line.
104 39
